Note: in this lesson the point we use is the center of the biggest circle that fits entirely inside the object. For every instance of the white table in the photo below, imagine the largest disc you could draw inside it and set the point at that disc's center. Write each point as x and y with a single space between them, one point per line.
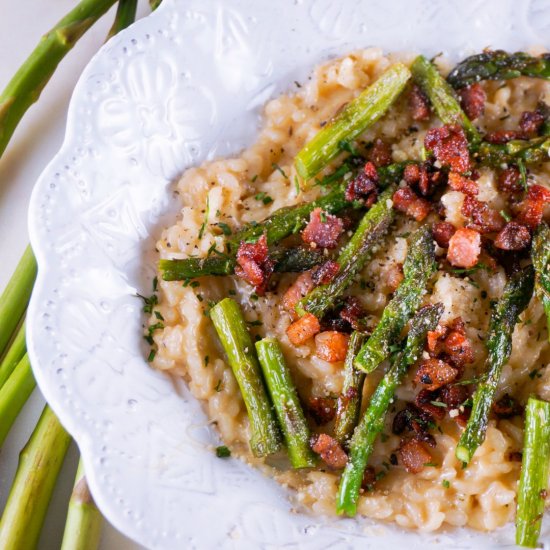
35 142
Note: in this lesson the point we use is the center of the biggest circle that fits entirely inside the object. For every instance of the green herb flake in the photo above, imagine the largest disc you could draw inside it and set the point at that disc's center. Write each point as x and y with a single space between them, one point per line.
223 452
439 404
149 303
226 230
446 483
264 197
431 465
159 316
348 146
275 166
506 216
194 284
152 354
254 178
206 215
155 284
297 185
469 271
380 475
323 216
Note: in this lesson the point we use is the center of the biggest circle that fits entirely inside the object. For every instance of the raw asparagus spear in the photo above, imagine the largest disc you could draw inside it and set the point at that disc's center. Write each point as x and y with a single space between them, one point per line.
533 482
514 300
442 97
125 16
355 118
39 465
29 81
540 253
235 338
13 395
287 260
15 353
372 423
371 230
84 520
16 295
419 266
286 403
348 408
498 65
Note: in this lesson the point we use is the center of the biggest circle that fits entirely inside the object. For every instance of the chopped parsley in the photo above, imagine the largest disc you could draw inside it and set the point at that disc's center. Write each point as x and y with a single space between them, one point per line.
149 303
470 270
206 215
152 354
223 452
275 166
226 230
323 216
505 215
446 483
348 146
159 316
264 197
297 185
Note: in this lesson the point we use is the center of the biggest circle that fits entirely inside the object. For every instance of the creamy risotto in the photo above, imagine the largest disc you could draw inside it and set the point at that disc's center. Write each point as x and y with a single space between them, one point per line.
221 196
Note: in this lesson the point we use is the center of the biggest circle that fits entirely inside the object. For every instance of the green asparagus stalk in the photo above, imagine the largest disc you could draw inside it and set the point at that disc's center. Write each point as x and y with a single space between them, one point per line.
84 520
354 119
286 403
348 408
373 227
125 16
372 423
287 260
504 316
282 223
418 268
288 220
14 394
39 465
533 482
498 65
531 151
15 297
442 97
14 354
540 253
29 81
235 338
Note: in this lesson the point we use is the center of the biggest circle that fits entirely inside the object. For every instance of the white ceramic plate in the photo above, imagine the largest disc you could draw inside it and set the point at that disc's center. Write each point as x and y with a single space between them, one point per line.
184 85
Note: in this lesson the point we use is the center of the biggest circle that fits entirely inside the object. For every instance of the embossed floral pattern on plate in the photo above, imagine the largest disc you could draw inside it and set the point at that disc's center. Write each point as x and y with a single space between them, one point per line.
184 85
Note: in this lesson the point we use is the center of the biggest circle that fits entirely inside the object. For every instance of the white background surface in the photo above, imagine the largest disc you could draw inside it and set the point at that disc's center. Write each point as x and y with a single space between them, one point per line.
33 145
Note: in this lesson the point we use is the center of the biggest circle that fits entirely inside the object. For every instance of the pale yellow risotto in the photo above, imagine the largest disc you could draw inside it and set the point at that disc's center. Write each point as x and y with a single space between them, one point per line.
482 214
